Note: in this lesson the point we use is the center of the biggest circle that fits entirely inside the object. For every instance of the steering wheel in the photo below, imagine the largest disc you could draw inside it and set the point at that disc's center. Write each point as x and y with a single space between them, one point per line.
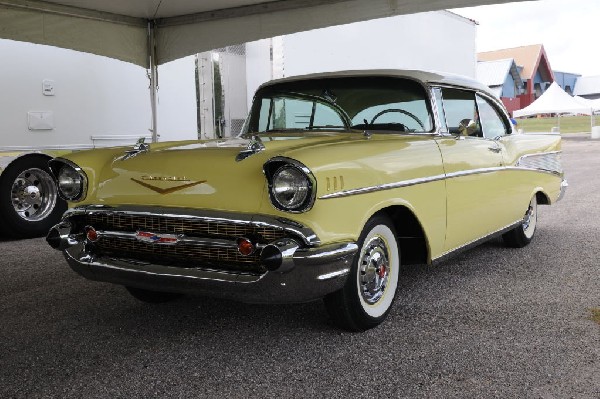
385 111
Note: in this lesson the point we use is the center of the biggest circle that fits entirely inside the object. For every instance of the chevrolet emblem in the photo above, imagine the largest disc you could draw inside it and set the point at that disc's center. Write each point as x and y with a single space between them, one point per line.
168 190
164 178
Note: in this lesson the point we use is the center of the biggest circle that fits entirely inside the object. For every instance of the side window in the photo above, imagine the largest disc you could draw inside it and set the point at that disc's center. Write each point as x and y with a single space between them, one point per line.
461 112
492 122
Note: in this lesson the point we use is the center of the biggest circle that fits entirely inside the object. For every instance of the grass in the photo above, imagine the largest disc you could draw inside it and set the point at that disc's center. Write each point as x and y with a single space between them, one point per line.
595 315
568 124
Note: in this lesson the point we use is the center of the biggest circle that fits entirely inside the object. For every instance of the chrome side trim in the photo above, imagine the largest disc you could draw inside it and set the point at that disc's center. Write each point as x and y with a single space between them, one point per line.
475 242
412 182
306 234
383 187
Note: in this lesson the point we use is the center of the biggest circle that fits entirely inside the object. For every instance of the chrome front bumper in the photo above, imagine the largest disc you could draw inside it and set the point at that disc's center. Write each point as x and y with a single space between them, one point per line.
306 272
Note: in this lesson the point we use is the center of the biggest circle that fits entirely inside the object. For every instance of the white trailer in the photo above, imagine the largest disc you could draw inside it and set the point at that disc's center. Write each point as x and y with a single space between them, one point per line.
439 40
56 100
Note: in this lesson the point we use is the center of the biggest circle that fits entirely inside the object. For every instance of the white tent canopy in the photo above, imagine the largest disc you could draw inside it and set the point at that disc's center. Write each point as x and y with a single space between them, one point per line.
554 101
152 32
593 104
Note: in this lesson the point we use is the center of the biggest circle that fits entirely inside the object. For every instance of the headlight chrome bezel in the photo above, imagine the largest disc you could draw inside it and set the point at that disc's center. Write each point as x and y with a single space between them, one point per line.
60 165
273 169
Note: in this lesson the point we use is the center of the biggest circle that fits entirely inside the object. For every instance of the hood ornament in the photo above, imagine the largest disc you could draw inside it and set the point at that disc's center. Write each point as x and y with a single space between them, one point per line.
254 146
138 148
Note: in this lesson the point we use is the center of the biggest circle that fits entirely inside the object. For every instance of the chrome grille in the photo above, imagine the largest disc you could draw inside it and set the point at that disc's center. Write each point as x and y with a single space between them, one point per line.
177 225
180 255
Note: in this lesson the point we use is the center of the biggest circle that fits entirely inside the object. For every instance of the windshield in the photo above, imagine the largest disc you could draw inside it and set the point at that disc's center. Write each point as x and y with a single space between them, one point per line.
341 104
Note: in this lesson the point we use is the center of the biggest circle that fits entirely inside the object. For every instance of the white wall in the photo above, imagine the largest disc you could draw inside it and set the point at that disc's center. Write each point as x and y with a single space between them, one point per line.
440 41
94 96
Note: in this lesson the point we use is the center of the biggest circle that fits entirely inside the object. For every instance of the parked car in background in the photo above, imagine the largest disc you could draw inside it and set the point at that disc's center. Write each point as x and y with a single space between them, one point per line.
337 181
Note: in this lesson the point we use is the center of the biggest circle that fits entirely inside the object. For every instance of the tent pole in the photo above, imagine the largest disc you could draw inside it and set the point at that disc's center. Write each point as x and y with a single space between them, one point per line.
153 75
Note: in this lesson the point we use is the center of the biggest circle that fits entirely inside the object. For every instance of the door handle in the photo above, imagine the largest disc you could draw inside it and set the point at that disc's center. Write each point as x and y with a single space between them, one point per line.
495 149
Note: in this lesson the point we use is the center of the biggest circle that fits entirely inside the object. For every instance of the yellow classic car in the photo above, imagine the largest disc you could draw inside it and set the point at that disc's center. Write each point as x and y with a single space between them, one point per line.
336 181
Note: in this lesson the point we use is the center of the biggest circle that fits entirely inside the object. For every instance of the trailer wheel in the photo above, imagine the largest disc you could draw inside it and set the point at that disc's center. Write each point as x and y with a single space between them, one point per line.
29 202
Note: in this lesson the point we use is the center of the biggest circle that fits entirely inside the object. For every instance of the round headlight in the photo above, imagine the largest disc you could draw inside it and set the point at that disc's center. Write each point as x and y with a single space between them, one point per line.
291 188
70 182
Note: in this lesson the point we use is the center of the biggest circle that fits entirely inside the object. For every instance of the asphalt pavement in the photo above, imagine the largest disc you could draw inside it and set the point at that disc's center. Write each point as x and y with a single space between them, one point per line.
491 322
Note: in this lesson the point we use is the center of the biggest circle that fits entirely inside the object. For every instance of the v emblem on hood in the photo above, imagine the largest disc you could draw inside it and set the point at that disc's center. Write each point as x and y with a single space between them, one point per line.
167 190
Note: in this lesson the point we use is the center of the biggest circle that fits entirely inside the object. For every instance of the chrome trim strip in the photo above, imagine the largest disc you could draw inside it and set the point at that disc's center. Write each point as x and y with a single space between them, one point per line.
181 239
388 186
335 274
421 180
306 234
476 242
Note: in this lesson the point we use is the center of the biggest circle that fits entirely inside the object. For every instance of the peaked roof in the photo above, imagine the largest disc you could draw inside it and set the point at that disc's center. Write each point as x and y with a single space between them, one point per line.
554 100
528 57
493 73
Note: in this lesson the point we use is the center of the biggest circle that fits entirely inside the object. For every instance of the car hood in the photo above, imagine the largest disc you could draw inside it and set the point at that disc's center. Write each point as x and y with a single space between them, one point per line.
198 174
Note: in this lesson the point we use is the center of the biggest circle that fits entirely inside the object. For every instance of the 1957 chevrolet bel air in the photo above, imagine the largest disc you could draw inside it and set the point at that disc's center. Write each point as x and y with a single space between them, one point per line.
336 181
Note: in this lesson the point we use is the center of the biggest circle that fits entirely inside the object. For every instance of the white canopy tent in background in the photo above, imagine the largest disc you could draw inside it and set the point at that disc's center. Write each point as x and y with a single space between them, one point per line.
557 101
593 104
152 32
554 101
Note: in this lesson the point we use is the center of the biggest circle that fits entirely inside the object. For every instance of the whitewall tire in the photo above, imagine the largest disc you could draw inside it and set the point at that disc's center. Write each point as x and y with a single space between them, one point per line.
367 297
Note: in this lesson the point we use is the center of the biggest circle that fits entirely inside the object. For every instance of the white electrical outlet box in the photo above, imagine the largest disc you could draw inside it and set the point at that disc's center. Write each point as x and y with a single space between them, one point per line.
48 87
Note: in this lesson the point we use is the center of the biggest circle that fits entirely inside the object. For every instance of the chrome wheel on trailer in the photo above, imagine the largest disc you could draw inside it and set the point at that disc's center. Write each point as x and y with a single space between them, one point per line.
29 202
33 194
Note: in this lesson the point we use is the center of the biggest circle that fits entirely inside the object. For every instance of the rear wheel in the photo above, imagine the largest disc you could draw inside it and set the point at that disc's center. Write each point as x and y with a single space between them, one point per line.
152 296
522 235
366 298
29 202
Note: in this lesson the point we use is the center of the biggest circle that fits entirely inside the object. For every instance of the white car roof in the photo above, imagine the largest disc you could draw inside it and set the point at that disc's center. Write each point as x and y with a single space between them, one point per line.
428 77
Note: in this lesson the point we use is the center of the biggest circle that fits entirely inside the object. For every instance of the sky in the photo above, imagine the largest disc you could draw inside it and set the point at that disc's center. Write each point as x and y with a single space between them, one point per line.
568 29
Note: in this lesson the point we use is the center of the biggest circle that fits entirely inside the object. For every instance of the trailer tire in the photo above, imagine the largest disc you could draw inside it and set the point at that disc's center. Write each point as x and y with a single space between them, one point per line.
29 201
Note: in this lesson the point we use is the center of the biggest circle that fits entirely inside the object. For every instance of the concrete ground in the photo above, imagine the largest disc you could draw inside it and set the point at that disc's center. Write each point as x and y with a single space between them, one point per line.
491 322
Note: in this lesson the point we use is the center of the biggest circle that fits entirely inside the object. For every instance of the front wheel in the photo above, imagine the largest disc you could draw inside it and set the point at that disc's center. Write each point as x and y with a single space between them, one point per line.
522 235
366 298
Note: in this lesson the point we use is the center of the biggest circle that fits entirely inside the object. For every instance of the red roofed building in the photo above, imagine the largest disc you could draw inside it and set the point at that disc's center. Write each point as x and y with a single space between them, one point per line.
534 69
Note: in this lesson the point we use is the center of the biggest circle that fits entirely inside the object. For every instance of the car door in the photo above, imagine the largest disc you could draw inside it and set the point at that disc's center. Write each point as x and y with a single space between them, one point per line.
474 166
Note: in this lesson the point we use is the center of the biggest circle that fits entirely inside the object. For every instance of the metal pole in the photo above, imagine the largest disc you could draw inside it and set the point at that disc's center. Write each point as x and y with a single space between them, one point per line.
153 75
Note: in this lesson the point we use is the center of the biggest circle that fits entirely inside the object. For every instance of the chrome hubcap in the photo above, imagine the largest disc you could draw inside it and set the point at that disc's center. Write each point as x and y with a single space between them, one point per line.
374 270
33 194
